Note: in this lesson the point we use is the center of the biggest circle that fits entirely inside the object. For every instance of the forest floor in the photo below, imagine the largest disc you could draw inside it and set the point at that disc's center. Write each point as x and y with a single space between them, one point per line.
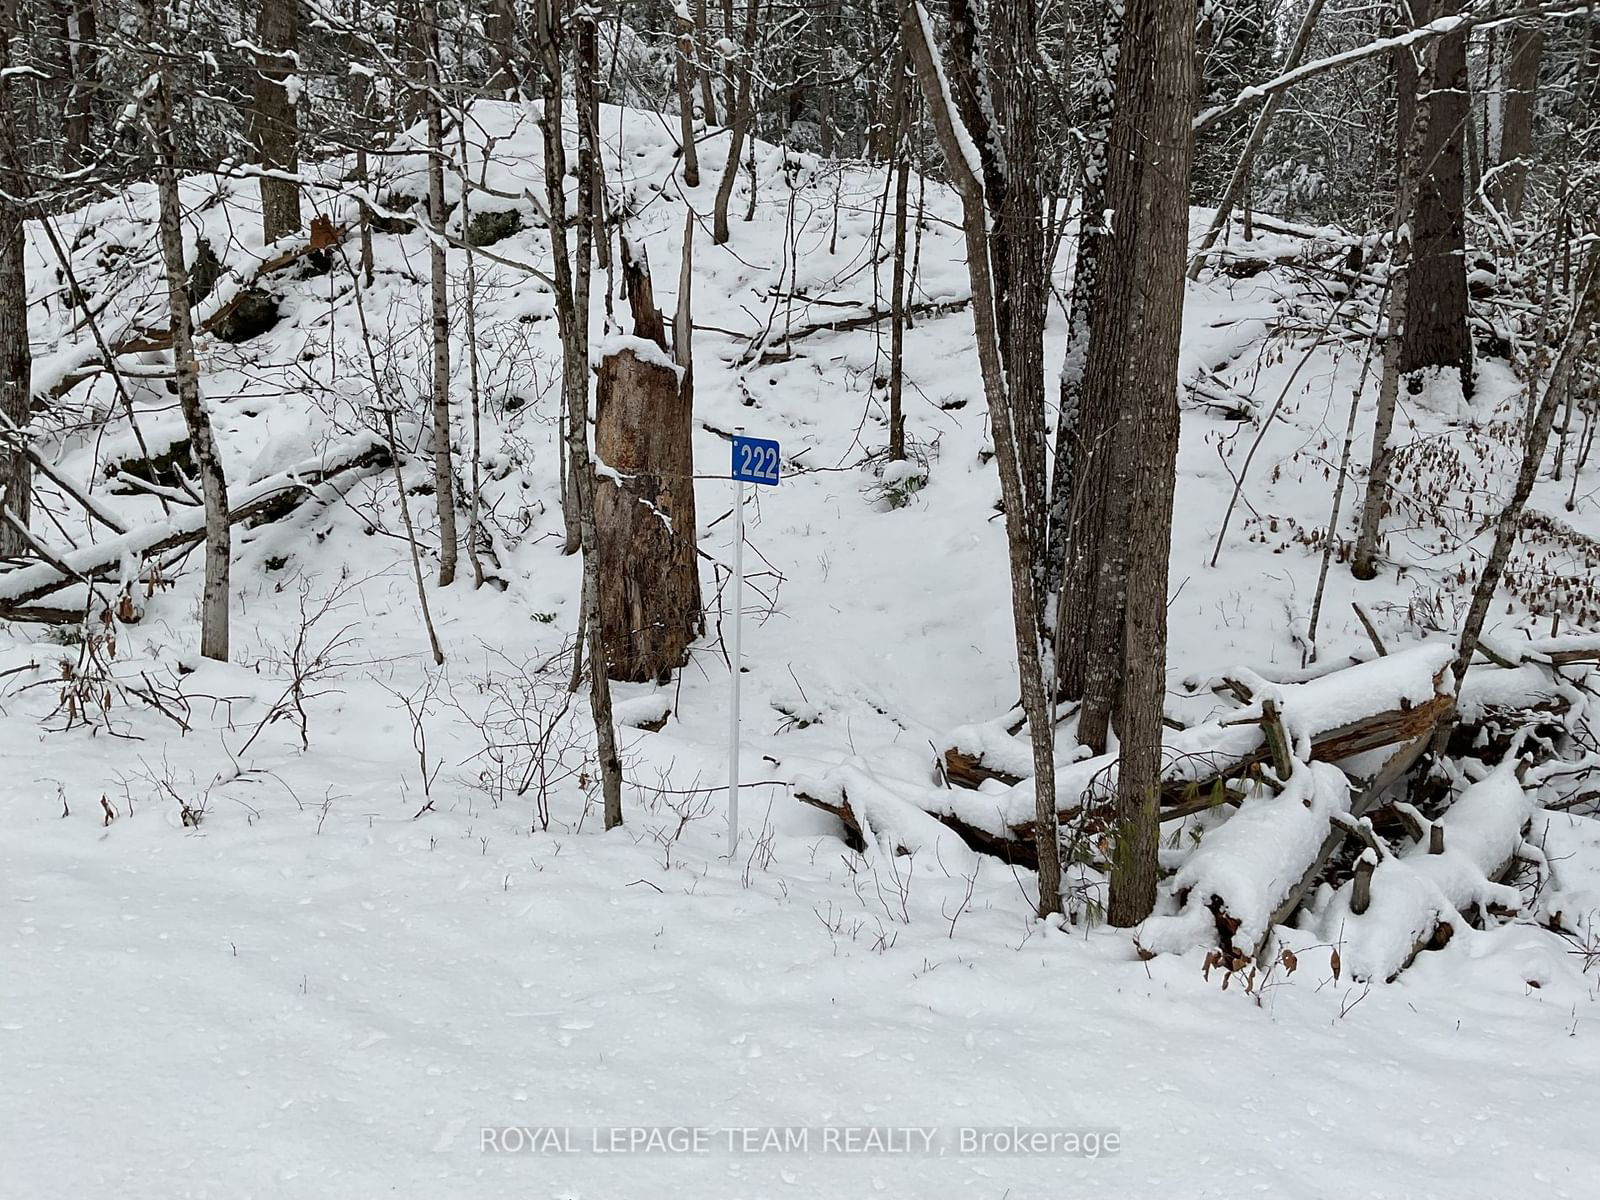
261 958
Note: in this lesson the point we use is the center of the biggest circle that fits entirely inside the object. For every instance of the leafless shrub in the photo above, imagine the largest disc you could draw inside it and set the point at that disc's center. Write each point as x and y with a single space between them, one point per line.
309 658
533 742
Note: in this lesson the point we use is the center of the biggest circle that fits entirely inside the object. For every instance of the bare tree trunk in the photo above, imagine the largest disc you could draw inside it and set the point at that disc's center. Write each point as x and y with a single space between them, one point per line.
156 108
683 69
1434 333
444 475
743 113
80 51
571 271
16 360
1520 84
474 380
16 476
362 107
897 302
969 185
1150 158
1018 221
274 125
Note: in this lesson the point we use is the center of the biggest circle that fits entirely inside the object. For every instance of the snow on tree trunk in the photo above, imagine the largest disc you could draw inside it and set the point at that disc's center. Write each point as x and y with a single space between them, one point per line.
443 466
644 498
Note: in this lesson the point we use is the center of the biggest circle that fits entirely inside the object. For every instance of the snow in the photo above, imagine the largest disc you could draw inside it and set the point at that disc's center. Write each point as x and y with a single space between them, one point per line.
1482 832
1250 862
369 949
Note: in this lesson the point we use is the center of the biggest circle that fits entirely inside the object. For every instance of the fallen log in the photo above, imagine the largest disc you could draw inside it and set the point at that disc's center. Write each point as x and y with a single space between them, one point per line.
1335 712
271 499
1419 896
765 352
210 316
1231 887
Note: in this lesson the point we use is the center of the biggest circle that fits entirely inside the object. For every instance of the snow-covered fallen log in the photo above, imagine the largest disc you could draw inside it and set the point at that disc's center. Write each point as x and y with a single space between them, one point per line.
269 499
1336 717
1419 897
1228 891
880 813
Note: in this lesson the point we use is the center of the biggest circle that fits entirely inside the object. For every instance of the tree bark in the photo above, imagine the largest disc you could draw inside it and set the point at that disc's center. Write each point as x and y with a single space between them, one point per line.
444 475
274 122
644 505
1434 332
157 114
16 360
897 302
1139 310
702 49
1018 224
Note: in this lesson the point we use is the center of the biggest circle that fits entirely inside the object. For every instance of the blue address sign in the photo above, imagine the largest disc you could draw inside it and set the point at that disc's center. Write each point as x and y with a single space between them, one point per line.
755 460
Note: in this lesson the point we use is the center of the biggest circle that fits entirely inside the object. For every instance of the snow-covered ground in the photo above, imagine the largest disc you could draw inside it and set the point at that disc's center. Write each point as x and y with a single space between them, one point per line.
370 948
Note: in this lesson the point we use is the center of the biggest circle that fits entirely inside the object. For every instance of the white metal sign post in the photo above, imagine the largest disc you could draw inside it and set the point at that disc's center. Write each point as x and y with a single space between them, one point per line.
755 460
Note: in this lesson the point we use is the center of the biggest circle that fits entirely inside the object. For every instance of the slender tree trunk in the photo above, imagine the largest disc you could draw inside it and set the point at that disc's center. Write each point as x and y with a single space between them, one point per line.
274 123
157 114
743 112
571 270
362 107
897 302
1519 90
1018 222
1139 318
16 477
683 70
16 361
443 466
474 380
953 141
